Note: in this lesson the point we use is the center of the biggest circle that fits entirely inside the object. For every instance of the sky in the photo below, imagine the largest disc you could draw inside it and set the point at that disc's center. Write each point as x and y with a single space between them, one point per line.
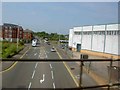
58 17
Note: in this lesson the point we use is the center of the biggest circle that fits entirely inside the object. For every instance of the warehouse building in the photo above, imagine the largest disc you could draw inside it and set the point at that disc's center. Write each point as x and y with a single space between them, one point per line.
99 40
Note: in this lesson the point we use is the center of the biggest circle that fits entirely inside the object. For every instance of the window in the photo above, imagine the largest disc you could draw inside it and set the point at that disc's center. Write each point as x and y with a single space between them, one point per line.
118 32
77 33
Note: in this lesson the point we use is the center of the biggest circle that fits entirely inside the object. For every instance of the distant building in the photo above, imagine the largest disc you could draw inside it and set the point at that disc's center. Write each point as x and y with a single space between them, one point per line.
1 34
10 32
99 40
27 35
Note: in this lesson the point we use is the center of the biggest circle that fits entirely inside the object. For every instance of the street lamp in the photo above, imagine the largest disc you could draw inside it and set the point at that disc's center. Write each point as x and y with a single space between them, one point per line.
17 37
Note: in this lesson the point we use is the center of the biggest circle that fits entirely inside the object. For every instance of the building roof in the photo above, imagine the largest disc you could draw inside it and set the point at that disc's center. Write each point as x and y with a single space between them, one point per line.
27 30
10 25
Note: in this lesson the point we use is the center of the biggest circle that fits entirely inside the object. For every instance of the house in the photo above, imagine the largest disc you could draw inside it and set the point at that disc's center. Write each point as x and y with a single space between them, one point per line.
27 35
11 32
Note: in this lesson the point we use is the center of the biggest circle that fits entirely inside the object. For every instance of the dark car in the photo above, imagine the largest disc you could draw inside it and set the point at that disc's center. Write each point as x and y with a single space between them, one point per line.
48 43
53 49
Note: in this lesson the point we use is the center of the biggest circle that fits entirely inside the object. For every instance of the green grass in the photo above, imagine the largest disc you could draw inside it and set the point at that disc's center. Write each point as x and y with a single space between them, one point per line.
9 49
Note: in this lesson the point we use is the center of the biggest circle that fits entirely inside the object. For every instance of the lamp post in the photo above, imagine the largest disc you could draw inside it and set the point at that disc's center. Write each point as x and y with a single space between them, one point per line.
17 37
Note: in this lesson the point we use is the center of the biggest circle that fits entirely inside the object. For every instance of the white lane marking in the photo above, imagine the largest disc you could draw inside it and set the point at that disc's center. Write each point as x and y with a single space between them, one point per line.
50 66
35 54
53 85
45 55
52 74
42 80
35 47
36 64
39 56
33 74
29 85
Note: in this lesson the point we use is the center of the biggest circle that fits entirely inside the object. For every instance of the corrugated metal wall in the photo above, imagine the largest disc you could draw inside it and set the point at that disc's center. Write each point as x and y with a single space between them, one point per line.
100 38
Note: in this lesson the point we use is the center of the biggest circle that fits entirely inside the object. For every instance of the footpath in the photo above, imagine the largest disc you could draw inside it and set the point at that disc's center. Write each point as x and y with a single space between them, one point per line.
96 70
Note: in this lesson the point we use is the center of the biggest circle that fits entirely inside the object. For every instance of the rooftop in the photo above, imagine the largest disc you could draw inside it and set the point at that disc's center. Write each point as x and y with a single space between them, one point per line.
27 30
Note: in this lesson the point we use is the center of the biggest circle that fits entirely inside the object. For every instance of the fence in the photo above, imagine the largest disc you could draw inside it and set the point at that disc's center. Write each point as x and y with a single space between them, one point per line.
113 83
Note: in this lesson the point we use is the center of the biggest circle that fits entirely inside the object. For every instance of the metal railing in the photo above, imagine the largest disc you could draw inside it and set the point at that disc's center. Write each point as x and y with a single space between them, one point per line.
109 86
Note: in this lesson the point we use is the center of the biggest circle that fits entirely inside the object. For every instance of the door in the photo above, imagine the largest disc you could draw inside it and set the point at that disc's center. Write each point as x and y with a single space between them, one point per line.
78 47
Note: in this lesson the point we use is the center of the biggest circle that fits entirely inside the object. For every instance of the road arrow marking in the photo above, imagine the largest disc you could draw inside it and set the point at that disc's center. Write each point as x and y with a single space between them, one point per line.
42 80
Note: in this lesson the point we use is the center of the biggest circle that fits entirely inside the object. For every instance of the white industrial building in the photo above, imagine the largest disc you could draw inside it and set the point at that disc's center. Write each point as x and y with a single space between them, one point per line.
99 40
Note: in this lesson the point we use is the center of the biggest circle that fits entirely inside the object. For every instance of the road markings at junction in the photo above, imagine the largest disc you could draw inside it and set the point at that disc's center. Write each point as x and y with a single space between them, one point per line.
50 66
52 74
43 79
25 53
45 54
33 74
53 85
68 69
38 56
35 54
29 85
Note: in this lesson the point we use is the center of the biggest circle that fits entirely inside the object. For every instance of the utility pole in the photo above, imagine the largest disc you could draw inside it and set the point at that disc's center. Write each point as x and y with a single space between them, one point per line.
17 37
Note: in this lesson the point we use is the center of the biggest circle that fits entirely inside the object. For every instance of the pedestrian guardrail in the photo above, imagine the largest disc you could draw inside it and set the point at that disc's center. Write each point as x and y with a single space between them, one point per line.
113 84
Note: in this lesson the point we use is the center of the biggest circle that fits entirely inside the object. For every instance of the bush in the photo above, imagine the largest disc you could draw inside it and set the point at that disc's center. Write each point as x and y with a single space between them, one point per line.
9 49
21 42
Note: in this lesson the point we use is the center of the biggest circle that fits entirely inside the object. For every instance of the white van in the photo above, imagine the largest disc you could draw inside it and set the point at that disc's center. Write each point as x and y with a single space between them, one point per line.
34 42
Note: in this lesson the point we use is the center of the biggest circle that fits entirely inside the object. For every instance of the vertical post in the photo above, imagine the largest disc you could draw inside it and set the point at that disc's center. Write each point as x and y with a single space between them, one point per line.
17 37
81 71
81 36
105 38
110 75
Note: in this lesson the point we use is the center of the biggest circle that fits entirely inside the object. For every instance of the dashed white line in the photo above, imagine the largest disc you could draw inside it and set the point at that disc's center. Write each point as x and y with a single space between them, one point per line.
29 85
50 66
53 85
36 65
39 56
52 74
33 74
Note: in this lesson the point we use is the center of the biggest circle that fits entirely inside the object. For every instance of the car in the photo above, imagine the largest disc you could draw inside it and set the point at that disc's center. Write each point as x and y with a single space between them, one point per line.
34 42
48 43
52 49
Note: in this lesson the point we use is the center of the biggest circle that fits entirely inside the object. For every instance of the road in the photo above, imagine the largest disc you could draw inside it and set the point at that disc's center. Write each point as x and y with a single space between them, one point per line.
38 74
42 74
